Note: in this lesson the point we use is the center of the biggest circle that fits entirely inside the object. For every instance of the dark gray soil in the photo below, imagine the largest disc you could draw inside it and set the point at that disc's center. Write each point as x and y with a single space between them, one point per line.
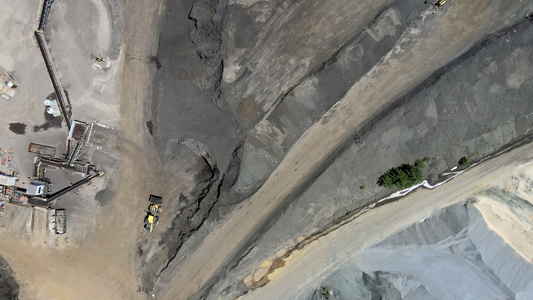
49 122
270 46
104 196
315 95
9 288
472 106
18 128
191 126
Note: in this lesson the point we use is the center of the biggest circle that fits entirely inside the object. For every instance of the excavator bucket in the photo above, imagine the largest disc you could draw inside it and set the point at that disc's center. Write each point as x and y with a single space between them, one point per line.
155 199
155 209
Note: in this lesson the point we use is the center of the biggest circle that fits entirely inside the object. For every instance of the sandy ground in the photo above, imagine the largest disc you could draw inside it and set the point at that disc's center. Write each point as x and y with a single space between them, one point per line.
102 266
331 251
509 226
436 41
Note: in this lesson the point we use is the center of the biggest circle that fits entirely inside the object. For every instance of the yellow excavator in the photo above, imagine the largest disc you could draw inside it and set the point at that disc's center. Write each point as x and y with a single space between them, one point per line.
155 209
152 215
439 3
150 222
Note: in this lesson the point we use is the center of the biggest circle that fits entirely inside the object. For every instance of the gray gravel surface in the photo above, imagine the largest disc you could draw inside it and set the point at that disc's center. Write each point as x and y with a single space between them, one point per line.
269 46
473 106
266 145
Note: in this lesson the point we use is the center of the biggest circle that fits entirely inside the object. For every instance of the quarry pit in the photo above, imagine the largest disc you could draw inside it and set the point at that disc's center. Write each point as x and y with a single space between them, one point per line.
264 126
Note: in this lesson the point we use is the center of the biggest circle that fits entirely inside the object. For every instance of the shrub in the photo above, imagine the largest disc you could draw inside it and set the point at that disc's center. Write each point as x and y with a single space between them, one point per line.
404 176
362 187
464 161
324 292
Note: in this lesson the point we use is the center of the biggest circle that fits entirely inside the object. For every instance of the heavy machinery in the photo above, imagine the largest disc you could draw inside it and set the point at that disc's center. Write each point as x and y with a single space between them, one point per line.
155 209
439 3
150 222
97 58
152 215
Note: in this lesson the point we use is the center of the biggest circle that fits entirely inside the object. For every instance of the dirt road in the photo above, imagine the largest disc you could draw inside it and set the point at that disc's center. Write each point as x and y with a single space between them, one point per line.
320 257
441 37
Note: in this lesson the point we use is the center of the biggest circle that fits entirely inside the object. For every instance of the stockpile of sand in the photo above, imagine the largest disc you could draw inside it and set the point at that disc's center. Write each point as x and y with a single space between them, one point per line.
482 250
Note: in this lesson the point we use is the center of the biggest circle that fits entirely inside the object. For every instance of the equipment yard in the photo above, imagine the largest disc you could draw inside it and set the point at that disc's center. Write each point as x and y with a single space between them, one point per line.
41 153
264 126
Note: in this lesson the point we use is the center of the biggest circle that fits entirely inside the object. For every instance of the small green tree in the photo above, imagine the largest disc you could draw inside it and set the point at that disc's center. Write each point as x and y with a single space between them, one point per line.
404 176
464 161
324 292
362 186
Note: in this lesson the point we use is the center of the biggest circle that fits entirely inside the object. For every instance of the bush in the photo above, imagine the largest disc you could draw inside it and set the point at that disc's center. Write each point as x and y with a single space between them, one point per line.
464 161
324 292
404 176
362 187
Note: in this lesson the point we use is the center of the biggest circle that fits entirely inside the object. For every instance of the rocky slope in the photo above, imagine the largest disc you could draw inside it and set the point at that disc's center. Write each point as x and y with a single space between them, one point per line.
448 116
240 81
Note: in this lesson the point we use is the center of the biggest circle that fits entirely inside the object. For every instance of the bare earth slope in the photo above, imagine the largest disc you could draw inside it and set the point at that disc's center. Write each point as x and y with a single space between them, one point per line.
420 54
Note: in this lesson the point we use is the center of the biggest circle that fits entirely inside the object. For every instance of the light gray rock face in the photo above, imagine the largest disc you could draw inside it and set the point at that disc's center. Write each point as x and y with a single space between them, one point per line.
352 283
511 268
450 221
450 255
